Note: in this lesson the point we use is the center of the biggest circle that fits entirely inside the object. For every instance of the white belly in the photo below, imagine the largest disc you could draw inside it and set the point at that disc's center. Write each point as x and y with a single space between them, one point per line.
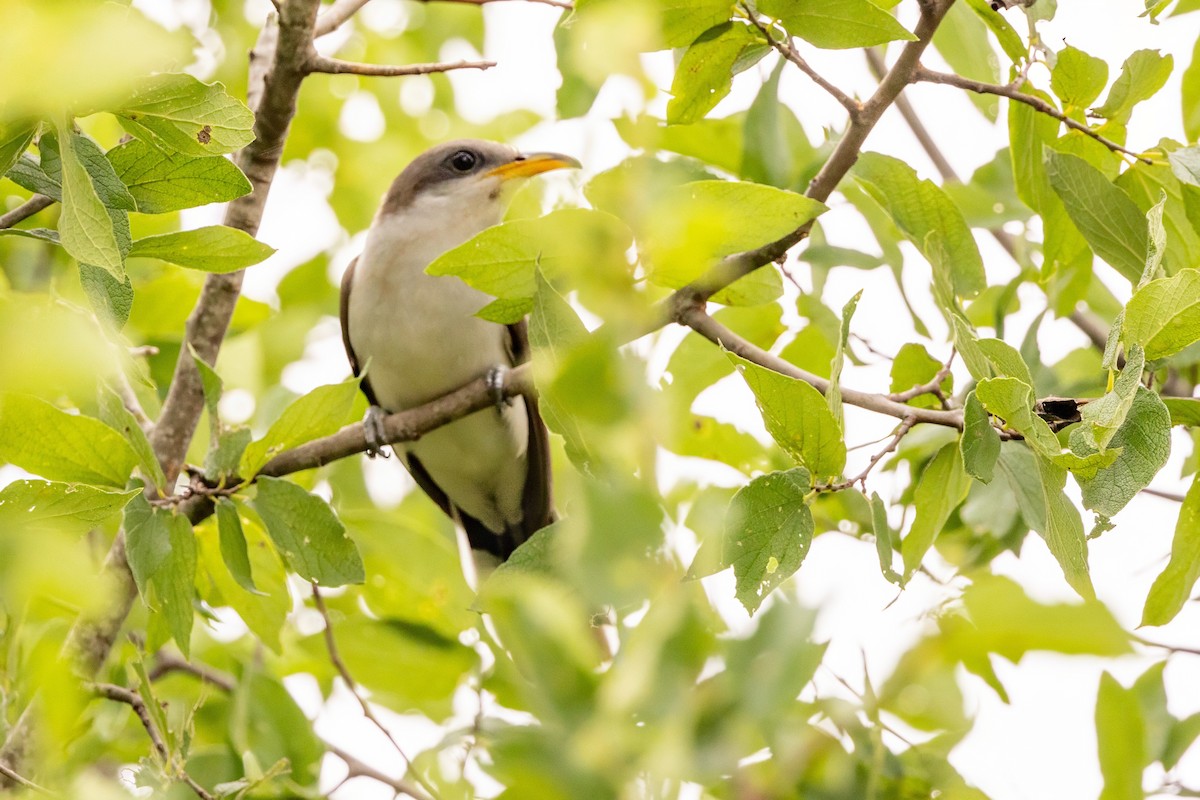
418 338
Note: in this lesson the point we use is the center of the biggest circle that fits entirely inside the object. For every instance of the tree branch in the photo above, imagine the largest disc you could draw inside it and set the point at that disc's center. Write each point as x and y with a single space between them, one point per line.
736 266
335 66
25 782
1038 104
336 15
698 320
787 49
27 209
91 638
120 694
902 430
336 659
555 3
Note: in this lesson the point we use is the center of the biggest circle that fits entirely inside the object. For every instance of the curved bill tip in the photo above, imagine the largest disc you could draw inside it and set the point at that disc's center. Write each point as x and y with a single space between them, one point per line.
529 164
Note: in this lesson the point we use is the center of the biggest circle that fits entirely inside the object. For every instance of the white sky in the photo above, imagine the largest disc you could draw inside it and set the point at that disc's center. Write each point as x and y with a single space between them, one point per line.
1043 744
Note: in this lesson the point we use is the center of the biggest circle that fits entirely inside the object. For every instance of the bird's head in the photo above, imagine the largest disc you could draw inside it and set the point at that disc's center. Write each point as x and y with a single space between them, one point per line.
471 175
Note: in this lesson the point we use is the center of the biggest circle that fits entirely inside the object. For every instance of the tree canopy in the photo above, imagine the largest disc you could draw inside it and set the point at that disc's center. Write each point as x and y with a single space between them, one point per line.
200 573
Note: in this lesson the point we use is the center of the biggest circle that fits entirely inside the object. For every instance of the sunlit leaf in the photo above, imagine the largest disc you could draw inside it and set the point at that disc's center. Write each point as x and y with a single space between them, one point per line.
311 539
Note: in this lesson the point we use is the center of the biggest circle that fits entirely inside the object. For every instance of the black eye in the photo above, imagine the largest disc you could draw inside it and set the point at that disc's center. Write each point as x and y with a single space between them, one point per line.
464 160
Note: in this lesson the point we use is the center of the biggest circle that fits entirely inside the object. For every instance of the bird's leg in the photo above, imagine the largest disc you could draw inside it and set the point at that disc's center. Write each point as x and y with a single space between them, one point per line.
495 384
373 430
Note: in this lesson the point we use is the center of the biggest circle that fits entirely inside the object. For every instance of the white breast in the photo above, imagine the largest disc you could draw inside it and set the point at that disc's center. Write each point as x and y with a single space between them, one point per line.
419 338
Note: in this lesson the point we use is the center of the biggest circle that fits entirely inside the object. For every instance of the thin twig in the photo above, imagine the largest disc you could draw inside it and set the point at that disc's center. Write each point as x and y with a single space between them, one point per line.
23 781
1172 496
565 4
1038 104
920 132
166 663
786 47
335 658
933 387
332 18
27 209
1170 648
902 430
335 66
699 320
357 768
119 694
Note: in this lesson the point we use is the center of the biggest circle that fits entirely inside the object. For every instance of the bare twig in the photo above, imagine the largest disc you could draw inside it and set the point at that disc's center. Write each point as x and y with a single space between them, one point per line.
698 320
335 66
1038 104
333 17
933 387
920 132
166 663
555 3
357 768
23 781
902 430
120 694
1172 496
786 47
843 157
27 209
335 658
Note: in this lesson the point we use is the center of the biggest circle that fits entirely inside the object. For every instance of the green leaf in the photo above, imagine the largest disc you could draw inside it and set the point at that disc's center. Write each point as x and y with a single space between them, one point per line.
85 228
1106 415
797 417
833 395
836 24
36 436
1184 410
1078 78
1185 164
1142 75
47 505
269 727
884 539
29 174
502 260
319 413
684 20
1109 220
1038 485
768 530
1012 400
215 248
1007 622
233 544
980 443
1164 315
705 72
264 611
962 40
941 488
1006 360
1180 739
15 138
111 299
110 189
927 216
161 549
1010 41
1144 442
303 527
912 367
1190 96
161 181
114 414
1120 737
179 114
697 223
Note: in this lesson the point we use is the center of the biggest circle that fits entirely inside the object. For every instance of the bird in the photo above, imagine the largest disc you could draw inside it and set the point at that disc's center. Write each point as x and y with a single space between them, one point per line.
417 338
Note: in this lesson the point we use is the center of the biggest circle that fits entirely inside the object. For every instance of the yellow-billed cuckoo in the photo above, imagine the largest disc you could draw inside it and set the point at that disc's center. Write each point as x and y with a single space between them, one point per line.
490 471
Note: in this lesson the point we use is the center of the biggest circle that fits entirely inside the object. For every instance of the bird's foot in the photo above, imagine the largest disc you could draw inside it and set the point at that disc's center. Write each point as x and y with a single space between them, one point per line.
495 384
373 429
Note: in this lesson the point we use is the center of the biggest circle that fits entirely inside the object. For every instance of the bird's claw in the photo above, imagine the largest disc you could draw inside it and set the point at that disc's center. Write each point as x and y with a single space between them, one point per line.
495 384
373 430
